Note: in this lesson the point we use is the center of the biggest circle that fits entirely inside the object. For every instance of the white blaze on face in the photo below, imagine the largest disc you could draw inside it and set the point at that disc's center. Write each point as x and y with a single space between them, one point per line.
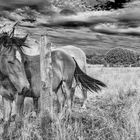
18 56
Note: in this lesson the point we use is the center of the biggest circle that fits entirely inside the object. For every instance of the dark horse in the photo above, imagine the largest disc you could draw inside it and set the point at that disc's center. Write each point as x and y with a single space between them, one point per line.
12 74
65 71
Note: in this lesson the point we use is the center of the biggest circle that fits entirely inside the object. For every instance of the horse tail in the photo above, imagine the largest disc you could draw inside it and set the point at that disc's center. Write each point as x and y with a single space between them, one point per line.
86 81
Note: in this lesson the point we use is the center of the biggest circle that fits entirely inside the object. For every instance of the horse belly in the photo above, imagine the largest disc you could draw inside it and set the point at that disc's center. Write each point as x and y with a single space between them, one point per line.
36 82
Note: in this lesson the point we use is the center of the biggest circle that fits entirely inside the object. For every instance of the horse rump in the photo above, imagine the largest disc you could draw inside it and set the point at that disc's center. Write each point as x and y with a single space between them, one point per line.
86 81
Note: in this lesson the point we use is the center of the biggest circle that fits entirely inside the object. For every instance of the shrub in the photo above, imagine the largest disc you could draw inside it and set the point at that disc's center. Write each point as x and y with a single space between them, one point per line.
95 59
121 56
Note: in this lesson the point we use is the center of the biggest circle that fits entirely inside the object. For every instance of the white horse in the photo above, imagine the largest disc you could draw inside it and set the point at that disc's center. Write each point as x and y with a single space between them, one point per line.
79 55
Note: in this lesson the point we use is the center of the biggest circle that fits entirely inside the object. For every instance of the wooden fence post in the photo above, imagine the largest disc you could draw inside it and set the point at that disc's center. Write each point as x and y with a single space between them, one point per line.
46 114
46 75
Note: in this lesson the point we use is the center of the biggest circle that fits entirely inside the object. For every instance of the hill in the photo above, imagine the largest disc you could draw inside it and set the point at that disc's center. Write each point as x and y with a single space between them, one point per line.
89 40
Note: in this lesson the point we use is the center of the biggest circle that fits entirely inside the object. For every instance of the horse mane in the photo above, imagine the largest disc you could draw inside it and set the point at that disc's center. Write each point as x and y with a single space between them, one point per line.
8 42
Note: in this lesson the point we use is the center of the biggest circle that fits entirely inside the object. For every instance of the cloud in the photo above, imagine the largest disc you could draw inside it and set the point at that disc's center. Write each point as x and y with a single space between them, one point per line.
13 4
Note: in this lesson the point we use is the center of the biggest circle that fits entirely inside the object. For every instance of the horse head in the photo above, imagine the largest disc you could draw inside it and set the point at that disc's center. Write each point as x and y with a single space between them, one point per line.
10 65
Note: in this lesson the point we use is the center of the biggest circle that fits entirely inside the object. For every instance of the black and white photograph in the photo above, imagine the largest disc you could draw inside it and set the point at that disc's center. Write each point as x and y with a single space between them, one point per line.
69 69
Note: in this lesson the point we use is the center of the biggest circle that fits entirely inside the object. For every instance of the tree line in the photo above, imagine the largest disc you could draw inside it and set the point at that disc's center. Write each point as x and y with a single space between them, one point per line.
116 56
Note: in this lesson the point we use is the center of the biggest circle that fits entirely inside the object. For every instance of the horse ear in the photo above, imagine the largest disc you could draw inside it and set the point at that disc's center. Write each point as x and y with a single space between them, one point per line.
13 30
24 38
12 33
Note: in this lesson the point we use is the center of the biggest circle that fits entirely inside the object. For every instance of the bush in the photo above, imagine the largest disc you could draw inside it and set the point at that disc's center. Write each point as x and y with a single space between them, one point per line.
96 59
121 56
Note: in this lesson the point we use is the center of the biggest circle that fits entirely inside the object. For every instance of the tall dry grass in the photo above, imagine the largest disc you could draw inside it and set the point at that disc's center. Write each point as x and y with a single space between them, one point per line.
119 103
112 114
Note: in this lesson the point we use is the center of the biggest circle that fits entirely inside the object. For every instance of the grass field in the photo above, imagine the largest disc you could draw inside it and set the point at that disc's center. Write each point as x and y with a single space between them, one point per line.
112 114
118 104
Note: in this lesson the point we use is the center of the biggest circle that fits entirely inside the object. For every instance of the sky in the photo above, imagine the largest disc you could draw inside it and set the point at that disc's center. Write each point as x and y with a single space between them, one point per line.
13 4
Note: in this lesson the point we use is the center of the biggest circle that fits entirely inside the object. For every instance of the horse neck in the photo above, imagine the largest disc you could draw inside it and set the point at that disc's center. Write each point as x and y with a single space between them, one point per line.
31 58
10 53
5 55
32 64
23 57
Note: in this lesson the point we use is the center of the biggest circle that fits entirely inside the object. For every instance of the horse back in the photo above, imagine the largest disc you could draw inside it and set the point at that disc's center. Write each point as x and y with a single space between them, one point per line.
64 63
77 53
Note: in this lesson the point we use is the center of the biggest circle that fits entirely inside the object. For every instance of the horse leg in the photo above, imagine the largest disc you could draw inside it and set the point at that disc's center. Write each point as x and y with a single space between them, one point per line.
61 98
3 110
13 114
36 107
7 109
74 85
84 92
69 94
7 114
19 105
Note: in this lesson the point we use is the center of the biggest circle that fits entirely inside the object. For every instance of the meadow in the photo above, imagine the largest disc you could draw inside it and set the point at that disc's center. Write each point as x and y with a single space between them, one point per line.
110 114
118 104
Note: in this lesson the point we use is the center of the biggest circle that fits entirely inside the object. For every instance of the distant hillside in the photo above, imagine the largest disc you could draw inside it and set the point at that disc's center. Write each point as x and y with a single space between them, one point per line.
83 37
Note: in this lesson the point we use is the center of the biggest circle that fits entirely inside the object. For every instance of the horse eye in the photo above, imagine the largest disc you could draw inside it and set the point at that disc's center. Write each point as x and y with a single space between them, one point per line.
10 62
